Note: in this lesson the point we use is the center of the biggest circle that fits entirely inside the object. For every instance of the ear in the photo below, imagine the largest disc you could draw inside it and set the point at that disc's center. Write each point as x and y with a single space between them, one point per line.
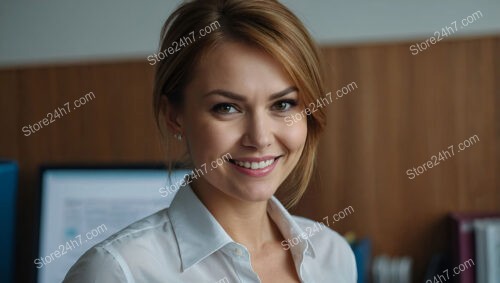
172 116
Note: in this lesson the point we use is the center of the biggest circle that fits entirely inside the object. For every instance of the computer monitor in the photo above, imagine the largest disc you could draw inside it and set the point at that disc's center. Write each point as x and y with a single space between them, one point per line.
81 206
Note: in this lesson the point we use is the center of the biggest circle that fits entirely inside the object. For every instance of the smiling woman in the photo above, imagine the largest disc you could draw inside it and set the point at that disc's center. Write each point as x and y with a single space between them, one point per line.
229 92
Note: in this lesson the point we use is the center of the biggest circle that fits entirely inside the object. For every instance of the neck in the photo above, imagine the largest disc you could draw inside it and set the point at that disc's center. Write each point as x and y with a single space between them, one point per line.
247 223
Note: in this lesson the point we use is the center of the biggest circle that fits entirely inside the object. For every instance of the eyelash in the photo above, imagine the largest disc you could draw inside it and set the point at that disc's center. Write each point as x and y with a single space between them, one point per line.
292 103
216 108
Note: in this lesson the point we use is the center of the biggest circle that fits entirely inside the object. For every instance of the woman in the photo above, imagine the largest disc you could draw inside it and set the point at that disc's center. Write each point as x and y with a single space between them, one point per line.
228 90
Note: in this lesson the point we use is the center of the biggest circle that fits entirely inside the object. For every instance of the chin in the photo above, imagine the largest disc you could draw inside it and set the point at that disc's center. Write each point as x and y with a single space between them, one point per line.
254 192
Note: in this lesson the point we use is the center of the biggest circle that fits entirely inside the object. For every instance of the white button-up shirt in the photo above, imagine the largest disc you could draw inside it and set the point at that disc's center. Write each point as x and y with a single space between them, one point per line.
184 243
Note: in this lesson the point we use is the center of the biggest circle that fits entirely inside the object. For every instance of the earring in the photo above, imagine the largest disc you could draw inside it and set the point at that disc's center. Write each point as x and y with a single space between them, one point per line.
178 136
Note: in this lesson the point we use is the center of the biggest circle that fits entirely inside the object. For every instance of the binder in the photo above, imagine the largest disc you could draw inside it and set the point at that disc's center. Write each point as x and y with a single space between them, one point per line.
362 253
463 241
8 191
487 250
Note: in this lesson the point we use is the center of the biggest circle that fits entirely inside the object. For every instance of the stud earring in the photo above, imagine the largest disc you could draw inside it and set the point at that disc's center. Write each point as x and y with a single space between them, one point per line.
178 136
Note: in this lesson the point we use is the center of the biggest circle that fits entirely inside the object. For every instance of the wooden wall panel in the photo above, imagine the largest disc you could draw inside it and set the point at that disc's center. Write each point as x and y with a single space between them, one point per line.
406 109
9 122
116 126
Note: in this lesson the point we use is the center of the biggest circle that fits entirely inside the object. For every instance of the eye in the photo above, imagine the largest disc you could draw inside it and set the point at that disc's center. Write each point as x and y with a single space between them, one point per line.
224 108
284 105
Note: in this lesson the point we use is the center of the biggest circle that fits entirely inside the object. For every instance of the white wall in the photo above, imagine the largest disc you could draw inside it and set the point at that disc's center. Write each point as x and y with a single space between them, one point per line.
53 31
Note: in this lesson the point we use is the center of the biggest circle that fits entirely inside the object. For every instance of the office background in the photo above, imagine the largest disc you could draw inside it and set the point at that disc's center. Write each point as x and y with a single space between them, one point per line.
406 108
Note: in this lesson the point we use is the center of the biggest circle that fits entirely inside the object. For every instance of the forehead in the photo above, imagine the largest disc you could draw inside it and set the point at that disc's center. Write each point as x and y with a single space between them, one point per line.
240 68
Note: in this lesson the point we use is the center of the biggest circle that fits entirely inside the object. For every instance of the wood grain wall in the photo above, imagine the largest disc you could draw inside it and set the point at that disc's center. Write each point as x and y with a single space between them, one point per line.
406 109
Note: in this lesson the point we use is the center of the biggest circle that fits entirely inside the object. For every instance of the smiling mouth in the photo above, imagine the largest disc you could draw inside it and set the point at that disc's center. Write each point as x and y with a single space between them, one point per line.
254 165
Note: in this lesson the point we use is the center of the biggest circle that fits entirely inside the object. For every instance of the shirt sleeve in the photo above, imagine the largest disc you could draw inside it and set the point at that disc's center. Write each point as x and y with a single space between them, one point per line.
97 265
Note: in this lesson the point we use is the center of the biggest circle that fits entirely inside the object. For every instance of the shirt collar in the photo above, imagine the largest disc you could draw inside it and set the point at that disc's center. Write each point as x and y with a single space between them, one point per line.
198 233
289 228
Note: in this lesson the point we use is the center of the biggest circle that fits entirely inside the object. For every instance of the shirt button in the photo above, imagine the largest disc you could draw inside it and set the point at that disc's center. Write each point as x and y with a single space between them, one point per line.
238 252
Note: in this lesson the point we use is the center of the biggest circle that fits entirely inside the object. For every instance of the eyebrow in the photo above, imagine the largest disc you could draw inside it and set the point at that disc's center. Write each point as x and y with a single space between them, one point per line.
239 97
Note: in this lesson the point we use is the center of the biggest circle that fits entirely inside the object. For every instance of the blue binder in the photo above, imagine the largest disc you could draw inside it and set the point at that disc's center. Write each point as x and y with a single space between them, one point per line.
362 253
8 192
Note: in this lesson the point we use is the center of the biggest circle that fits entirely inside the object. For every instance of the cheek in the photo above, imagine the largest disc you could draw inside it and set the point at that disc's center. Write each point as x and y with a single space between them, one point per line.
294 137
208 140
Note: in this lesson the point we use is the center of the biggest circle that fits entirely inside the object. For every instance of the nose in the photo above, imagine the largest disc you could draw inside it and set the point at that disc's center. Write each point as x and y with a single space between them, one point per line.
258 131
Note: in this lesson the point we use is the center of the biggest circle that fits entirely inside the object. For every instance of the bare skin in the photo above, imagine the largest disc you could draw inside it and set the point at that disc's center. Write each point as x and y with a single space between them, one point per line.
273 263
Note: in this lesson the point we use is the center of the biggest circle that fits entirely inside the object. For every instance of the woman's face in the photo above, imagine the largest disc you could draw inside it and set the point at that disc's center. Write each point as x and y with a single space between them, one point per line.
237 103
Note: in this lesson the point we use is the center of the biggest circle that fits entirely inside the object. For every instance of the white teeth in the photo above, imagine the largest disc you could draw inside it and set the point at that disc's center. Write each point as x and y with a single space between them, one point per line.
254 165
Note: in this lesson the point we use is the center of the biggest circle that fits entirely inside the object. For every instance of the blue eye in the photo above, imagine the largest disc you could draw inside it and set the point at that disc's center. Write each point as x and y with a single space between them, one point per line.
224 108
284 105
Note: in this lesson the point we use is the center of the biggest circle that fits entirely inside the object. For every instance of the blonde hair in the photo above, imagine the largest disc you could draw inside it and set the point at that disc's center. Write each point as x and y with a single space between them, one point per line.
265 24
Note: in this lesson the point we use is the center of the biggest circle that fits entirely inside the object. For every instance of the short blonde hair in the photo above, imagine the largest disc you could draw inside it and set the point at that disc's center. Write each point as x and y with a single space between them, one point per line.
265 24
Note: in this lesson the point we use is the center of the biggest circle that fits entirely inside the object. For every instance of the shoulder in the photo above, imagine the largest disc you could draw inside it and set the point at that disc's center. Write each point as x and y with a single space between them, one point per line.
109 260
96 265
331 249
145 228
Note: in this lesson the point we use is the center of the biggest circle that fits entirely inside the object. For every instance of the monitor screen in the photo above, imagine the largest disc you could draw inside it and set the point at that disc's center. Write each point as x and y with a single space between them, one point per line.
80 207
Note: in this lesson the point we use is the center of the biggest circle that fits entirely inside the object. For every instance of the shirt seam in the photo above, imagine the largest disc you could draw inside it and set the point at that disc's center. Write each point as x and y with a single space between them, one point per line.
133 232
